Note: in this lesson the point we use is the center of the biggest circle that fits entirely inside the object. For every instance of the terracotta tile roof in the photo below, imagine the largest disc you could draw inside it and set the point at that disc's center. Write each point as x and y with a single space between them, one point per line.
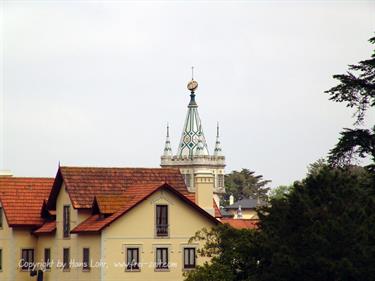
241 223
217 210
22 199
137 194
84 183
47 227
109 204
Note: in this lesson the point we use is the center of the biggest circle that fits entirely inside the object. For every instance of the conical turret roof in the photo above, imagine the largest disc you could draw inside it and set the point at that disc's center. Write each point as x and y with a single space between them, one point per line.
167 147
192 133
218 150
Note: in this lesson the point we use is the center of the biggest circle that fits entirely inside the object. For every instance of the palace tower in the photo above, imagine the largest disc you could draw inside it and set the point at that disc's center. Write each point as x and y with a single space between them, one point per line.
193 157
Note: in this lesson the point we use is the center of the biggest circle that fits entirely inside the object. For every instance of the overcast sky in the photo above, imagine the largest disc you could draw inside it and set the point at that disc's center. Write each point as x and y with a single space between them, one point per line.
95 82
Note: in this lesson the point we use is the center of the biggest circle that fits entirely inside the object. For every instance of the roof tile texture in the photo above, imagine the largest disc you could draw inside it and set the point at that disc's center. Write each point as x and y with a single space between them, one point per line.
136 194
22 199
241 223
84 183
47 227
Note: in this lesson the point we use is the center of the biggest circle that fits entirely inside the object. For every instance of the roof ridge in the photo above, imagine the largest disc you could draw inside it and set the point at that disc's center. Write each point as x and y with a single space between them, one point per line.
120 168
28 178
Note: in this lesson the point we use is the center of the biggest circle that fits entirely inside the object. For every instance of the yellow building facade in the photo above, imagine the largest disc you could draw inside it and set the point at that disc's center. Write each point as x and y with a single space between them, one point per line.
122 219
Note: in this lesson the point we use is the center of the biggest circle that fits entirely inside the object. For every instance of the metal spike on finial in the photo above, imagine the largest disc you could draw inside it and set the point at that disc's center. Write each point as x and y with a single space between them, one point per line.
167 130
192 73
217 129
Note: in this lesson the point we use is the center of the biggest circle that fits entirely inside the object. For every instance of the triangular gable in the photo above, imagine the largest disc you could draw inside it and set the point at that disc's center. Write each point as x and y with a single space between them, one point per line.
96 223
84 183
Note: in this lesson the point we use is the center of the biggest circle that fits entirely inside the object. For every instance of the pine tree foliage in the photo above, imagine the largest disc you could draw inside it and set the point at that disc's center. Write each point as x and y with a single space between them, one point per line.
356 90
245 184
357 87
323 230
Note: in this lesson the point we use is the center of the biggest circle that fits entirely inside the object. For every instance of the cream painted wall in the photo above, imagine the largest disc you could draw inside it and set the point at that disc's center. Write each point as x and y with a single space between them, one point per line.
6 240
56 273
137 228
204 183
12 241
246 214
192 170
75 243
23 239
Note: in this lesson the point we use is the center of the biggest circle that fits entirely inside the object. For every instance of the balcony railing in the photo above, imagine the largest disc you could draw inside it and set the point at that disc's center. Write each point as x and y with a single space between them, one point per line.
162 230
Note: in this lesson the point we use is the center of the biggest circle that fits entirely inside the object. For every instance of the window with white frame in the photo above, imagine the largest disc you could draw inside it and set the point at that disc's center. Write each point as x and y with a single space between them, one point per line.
66 221
162 220
27 259
187 178
161 258
132 259
189 258
66 259
220 181
86 259
47 258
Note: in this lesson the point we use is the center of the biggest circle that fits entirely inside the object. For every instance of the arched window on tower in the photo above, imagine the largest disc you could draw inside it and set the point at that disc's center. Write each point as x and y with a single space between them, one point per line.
187 178
220 181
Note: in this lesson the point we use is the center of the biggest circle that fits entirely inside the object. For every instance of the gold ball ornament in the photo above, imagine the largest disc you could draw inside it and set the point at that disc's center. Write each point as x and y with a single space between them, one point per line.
192 85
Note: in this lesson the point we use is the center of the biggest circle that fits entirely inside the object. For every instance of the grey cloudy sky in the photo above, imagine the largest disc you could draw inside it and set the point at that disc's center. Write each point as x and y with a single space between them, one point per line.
95 82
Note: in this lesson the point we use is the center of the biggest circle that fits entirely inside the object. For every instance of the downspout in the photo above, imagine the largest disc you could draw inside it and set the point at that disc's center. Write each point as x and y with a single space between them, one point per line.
102 255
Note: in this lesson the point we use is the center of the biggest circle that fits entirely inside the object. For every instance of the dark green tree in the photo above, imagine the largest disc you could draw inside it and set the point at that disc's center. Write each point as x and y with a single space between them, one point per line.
357 90
316 167
245 184
280 192
232 253
323 230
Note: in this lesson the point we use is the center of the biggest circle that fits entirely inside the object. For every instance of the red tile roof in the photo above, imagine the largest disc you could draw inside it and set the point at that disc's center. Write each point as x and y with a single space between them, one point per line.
109 204
137 194
22 199
217 210
84 183
115 190
241 223
47 227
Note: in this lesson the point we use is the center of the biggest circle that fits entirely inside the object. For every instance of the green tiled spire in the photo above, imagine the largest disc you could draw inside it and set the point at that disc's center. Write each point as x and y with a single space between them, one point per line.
218 151
192 132
167 147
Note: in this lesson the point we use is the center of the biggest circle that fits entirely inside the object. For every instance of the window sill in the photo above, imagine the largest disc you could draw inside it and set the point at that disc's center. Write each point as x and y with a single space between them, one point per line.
162 270
132 270
189 269
162 237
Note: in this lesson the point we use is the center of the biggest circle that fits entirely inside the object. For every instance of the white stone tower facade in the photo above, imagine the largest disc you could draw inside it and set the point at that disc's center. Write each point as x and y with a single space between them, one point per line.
193 156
